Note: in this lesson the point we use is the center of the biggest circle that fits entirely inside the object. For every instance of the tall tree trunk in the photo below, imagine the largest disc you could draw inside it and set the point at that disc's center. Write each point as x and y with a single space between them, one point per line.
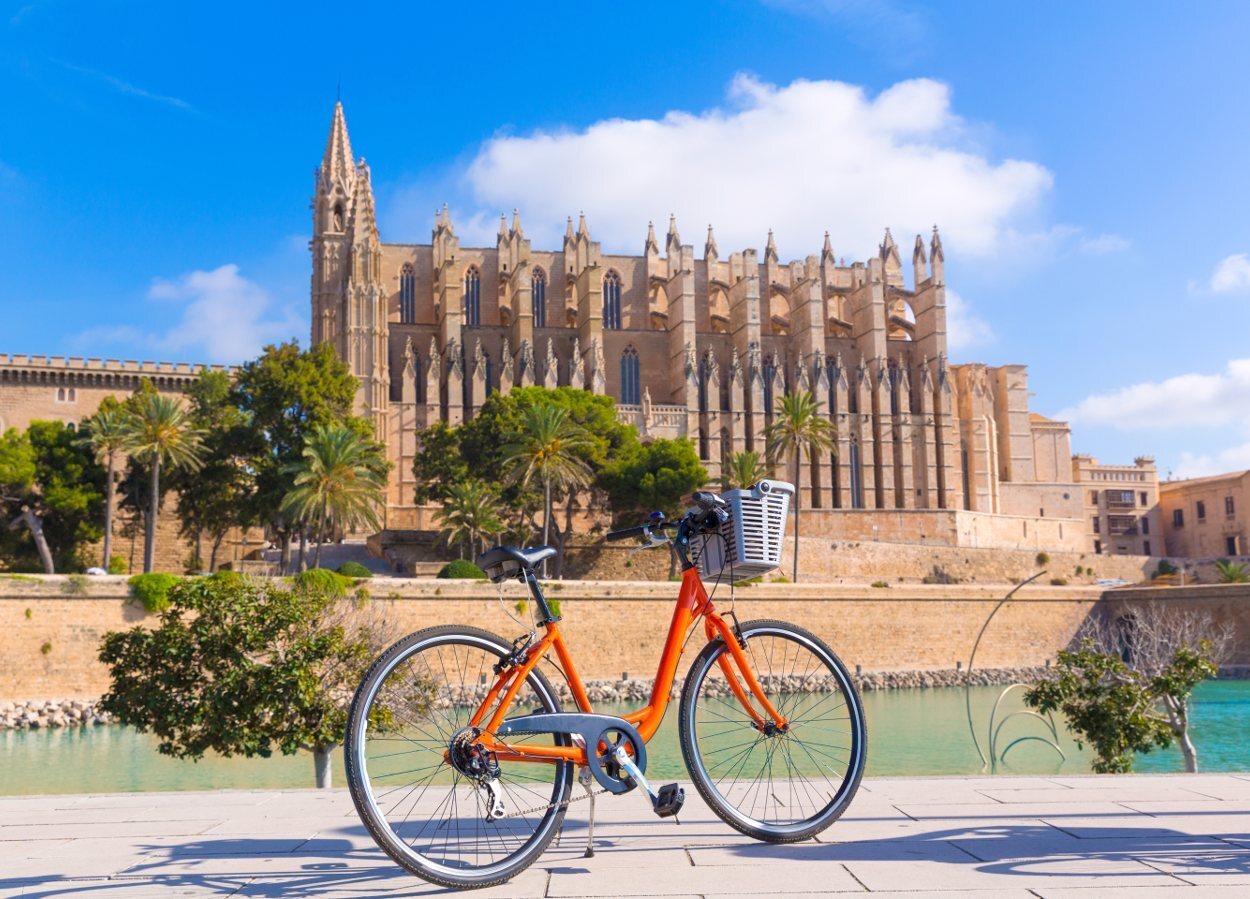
1178 712
199 548
108 513
322 758
35 526
284 556
546 518
303 547
798 492
212 561
321 539
149 543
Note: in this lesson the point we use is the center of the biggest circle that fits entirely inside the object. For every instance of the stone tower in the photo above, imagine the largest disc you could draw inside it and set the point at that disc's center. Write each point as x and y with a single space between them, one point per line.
349 304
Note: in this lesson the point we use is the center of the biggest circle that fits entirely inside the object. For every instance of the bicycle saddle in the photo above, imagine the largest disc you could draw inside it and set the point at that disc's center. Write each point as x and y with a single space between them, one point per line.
500 556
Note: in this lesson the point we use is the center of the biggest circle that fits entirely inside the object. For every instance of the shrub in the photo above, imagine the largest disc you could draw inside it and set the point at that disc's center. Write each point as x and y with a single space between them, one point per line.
75 585
226 577
1059 582
554 606
117 564
192 565
1165 568
46 648
354 569
881 584
152 589
1043 559
462 569
322 581
1229 572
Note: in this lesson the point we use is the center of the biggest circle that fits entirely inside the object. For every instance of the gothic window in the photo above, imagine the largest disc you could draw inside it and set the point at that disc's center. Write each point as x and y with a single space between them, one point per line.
631 390
408 294
857 484
472 297
538 294
770 376
338 216
490 374
612 301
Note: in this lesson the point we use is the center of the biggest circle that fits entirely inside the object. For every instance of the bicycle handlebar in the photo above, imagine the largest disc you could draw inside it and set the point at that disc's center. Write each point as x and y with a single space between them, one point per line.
626 533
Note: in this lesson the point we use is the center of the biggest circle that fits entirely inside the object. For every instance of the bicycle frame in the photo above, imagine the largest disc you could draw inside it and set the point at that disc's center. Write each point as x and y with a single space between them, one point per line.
692 603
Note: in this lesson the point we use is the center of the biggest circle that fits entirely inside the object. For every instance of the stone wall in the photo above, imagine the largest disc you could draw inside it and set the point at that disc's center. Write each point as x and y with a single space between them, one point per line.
48 638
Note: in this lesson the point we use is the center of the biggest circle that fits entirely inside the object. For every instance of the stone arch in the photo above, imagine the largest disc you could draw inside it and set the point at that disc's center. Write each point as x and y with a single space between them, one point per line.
408 294
631 384
472 296
718 311
612 300
778 313
538 296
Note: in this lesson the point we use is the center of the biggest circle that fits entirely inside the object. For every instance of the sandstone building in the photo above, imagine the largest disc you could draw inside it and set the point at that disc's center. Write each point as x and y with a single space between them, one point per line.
1207 518
702 345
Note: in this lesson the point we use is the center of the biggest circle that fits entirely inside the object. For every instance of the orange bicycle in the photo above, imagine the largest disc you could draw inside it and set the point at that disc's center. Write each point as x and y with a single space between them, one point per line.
461 760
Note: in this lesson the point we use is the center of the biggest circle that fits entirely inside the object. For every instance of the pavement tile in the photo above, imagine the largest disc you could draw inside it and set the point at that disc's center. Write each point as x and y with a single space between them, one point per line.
85 829
1234 826
1177 889
994 810
1096 793
392 884
1222 863
128 889
583 879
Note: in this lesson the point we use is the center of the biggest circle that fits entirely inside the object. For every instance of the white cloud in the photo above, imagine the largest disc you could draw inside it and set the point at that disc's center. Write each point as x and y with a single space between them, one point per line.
1103 244
1199 465
224 318
1232 275
965 330
1189 400
125 87
804 158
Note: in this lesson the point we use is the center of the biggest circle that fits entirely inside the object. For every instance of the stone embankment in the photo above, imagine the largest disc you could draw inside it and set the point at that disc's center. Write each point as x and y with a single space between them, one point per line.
51 713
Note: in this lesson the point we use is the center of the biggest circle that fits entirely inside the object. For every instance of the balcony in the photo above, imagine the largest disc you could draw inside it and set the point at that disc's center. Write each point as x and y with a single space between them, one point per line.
654 421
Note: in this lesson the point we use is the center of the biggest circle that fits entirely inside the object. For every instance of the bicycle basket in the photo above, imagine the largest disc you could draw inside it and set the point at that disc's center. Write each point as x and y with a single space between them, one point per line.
750 541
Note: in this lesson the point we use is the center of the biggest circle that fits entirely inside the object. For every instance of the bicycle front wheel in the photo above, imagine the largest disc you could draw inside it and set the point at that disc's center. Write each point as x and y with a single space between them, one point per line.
417 778
775 786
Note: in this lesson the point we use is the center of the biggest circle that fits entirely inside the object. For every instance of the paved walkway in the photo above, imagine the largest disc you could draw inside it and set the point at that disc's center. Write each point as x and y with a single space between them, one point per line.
1140 835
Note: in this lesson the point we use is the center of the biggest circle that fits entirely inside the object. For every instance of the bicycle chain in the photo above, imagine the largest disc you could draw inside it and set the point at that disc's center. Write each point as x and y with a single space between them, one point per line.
551 805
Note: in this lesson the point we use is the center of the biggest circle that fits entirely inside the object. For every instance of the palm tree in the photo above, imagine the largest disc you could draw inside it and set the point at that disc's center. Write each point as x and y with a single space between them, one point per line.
798 429
742 470
107 434
1230 572
159 431
470 513
339 483
546 450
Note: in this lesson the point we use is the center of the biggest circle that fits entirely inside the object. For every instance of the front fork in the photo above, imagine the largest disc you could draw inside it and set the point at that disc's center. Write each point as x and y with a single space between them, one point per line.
767 720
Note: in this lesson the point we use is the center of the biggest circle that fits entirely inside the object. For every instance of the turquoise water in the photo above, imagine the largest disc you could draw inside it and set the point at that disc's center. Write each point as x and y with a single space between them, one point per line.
910 732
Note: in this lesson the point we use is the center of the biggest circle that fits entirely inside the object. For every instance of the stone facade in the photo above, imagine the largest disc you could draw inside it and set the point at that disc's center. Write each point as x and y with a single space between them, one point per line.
696 346
1206 518
1122 511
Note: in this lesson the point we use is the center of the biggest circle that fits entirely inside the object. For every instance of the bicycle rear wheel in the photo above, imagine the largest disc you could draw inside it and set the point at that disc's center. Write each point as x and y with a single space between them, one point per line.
779 787
407 723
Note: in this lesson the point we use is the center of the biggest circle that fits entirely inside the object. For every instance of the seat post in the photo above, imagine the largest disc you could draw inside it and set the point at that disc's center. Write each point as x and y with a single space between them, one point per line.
536 591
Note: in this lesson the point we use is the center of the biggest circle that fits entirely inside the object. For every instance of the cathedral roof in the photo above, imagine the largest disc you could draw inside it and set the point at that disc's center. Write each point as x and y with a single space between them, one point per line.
338 164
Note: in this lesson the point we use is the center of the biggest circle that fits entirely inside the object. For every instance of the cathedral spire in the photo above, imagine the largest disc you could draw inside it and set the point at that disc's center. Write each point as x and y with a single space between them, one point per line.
673 239
709 248
516 223
568 228
826 251
338 164
770 248
582 230
650 245
503 227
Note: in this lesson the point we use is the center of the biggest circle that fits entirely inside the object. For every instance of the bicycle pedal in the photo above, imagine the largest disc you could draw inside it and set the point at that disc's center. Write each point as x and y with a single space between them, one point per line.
669 800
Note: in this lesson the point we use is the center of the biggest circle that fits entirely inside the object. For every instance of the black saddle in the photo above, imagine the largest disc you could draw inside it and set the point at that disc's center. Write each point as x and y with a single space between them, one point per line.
504 562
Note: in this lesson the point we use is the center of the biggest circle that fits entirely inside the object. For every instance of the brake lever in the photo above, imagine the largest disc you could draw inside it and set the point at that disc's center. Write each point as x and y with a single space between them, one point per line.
653 541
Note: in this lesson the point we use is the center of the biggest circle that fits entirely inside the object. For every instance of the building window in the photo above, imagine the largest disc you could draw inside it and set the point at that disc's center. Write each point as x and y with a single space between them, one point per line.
1097 525
770 375
472 297
1145 547
1201 510
490 373
1093 497
612 301
1144 500
1123 499
408 294
1121 525
1229 508
1178 518
1230 546
1098 547
1145 526
538 297
631 391
66 395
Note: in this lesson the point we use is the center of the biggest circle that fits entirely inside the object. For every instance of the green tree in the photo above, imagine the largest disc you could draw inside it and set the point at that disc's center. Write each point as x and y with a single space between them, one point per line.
655 478
1120 711
339 484
242 667
216 497
17 483
161 432
470 514
797 429
743 470
439 462
546 452
285 395
1230 572
105 433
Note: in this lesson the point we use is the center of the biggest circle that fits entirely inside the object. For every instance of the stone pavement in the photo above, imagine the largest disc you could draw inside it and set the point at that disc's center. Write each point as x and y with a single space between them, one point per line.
1135 835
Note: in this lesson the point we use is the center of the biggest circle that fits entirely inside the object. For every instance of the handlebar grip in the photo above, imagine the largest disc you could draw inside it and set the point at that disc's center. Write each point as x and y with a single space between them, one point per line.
626 533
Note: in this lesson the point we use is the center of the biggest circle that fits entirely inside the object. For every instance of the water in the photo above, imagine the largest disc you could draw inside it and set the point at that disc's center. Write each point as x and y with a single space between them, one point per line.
910 732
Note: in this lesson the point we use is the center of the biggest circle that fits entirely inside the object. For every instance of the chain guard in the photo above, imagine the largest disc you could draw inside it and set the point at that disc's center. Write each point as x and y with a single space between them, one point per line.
596 730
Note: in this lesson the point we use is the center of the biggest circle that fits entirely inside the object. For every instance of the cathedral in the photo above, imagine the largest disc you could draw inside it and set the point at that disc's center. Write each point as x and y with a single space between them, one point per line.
688 345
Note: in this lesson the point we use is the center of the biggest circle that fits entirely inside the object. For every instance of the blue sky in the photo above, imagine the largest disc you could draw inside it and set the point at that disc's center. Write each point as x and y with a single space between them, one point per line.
1086 163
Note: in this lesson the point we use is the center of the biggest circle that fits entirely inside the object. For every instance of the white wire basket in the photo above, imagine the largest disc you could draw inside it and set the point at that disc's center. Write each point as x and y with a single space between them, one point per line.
750 541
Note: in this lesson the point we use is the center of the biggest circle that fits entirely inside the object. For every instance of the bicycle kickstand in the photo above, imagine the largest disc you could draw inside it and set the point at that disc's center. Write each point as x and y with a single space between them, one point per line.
583 778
